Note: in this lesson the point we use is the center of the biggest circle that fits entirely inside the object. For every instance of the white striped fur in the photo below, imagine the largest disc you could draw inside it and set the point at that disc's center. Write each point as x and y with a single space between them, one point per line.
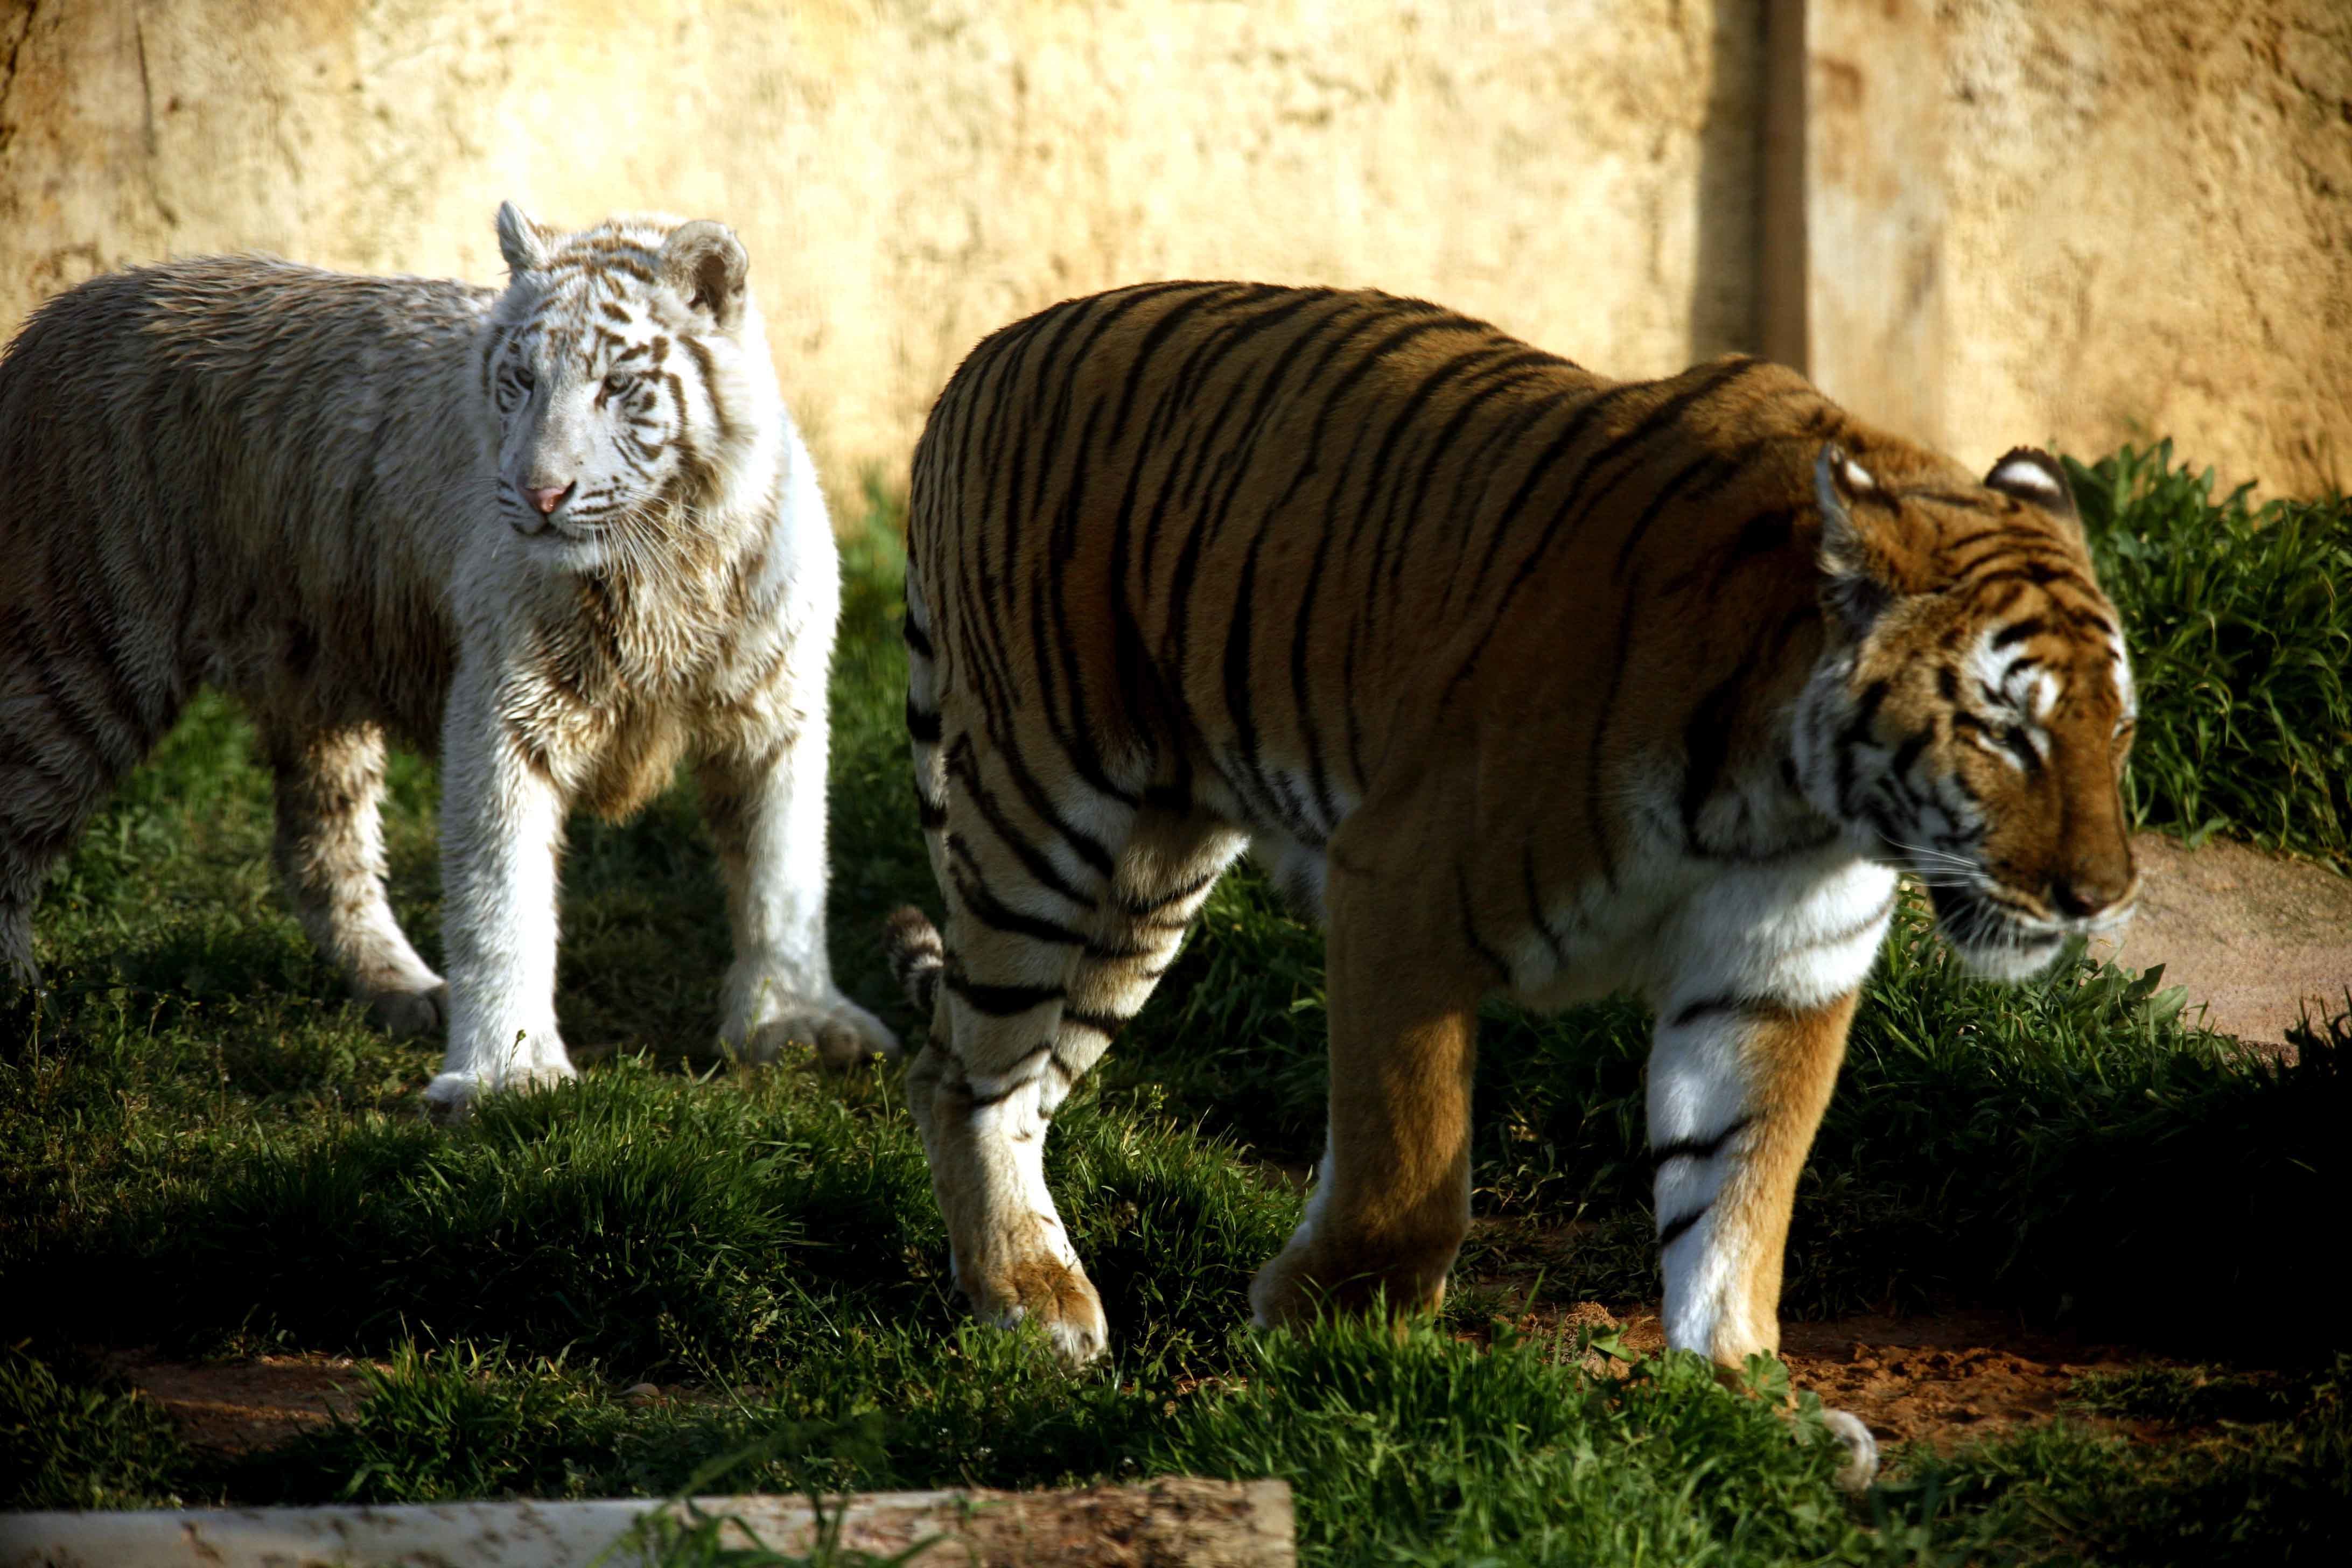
564 533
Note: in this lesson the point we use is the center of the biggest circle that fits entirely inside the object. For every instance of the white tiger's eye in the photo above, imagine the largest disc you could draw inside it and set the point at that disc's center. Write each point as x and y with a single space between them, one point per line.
618 383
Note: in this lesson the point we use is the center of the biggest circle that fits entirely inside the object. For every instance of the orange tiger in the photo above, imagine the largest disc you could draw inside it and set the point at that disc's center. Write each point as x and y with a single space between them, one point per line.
1522 681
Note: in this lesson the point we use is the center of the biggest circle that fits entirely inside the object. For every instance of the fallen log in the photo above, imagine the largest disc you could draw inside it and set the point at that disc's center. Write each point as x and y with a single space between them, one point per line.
1176 1523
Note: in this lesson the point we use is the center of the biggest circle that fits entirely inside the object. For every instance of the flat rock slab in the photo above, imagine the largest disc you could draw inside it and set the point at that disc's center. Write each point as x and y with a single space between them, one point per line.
1177 1522
2258 940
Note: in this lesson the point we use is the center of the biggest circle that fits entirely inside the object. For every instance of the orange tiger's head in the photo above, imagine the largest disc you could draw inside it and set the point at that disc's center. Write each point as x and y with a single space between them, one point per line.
1970 717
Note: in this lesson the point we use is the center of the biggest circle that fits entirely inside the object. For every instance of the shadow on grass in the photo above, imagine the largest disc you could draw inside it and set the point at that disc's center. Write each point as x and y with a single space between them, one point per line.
202 1143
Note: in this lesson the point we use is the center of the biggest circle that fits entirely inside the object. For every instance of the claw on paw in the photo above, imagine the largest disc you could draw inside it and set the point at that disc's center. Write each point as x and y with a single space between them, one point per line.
450 1098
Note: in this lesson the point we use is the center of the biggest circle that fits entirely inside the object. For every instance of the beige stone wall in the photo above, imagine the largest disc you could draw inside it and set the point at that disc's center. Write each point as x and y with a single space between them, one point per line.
2147 208
910 175
2150 212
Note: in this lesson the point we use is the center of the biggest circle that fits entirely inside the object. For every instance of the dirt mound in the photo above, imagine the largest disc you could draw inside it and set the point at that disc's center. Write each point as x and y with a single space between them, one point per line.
1941 1379
2257 939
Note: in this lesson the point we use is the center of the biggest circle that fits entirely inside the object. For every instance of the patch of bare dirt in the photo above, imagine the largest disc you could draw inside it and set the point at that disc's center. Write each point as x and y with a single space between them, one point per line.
1941 1379
2259 940
236 1406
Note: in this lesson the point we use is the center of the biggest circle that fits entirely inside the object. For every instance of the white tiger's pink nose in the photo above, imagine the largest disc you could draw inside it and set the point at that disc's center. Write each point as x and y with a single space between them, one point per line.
548 499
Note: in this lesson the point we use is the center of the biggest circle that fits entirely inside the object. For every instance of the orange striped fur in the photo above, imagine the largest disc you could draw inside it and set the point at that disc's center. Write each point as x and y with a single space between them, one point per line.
1519 679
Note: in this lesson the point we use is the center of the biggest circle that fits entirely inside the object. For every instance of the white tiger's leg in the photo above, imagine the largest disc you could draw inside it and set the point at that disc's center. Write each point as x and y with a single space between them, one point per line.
502 837
767 811
329 850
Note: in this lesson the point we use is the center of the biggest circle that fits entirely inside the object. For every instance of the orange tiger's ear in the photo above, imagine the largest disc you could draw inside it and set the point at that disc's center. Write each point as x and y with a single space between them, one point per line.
1861 572
2032 475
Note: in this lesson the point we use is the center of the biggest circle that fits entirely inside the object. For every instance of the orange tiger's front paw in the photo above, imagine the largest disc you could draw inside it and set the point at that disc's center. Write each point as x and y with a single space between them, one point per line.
1280 1293
1300 1284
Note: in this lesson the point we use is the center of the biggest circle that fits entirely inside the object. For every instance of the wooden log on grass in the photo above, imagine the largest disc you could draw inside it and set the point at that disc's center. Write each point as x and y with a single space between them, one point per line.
1159 1524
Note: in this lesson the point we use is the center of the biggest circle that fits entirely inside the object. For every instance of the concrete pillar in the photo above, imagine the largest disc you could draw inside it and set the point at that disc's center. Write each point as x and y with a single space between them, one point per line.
1852 270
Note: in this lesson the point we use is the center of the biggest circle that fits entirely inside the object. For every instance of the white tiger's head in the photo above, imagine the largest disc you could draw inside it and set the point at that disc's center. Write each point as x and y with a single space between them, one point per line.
628 374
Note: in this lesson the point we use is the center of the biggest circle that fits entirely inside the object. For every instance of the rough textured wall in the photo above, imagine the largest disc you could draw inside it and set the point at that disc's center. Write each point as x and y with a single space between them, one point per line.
2149 203
2149 230
910 175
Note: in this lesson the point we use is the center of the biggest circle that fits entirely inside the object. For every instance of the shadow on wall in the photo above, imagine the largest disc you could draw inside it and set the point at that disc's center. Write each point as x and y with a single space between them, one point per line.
1727 249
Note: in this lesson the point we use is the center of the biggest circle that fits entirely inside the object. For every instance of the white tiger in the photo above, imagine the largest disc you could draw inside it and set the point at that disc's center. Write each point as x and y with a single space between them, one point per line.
566 531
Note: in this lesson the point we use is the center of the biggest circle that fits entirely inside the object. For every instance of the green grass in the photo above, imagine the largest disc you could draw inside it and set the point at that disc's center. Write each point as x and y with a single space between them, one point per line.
2253 1472
72 1436
205 1148
2239 621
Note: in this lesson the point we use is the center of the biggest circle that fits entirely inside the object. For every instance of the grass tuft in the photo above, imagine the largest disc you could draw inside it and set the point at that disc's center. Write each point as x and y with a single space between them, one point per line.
2239 621
72 1436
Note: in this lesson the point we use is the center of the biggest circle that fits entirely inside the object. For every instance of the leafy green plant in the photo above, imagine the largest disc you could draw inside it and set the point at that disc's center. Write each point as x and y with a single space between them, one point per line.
2273 1487
1429 1450
686 1535
2239 621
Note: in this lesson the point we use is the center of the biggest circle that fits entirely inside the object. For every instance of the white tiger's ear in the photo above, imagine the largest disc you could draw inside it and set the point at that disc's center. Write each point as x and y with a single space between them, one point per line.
1857 585
2032 475
704 264
523 242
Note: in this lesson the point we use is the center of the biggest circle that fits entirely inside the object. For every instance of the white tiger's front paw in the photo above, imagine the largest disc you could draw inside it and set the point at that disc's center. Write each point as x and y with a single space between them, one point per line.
449 1098
842 1033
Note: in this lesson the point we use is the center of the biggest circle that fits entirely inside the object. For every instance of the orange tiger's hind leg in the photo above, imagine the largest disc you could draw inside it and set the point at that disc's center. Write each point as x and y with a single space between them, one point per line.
1003 1055
1163 877
1023 888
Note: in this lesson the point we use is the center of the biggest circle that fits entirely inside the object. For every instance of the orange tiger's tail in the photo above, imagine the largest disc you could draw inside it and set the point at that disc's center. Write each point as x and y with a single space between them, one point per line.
918 957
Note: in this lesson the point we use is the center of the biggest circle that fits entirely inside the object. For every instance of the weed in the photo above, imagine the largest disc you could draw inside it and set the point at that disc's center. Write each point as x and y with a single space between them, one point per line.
2276 1488
685 1535
2239 623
